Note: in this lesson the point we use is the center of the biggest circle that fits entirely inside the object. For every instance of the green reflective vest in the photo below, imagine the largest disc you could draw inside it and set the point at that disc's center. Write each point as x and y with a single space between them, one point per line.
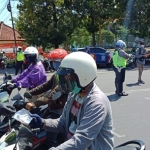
20 56
118 61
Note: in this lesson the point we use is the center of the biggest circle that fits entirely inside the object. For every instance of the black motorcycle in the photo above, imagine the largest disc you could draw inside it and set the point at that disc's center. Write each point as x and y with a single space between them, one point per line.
4 92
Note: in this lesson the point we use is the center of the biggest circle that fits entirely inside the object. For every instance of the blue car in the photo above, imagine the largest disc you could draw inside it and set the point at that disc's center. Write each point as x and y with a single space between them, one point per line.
102 56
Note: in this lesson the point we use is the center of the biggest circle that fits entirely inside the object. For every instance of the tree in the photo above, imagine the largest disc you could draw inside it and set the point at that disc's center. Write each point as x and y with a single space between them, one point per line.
108 36
45 23
140 18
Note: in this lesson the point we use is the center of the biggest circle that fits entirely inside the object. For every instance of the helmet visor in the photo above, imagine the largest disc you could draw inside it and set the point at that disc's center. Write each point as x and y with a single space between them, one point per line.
66 78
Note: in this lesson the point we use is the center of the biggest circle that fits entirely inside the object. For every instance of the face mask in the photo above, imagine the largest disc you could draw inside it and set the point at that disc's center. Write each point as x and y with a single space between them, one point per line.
76 88
31 59
142 46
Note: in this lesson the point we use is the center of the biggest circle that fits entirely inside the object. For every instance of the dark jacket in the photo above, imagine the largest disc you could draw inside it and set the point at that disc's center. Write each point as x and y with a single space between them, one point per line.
48 89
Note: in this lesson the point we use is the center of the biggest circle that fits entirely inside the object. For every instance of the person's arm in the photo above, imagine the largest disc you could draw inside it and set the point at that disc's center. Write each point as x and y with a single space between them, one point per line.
123 54
44 87
21 76
87 131
140 54
31 79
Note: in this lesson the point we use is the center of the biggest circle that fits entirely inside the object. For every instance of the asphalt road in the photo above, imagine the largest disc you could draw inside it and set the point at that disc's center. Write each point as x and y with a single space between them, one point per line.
130 114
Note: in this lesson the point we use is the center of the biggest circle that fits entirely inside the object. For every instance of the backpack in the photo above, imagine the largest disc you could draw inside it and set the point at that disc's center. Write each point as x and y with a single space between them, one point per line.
142 58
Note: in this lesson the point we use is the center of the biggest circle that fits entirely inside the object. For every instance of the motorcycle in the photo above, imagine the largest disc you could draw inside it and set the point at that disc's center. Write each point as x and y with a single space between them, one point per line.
48 65
10 127
21 138
131 62
139 145
18 102
4 92
30 137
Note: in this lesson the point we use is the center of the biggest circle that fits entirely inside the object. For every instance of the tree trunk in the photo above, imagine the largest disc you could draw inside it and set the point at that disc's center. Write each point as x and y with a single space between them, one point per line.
100 34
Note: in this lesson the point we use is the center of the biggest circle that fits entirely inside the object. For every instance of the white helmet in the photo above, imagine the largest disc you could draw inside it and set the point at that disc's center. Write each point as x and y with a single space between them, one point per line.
79 64
19 48
120 44
31 54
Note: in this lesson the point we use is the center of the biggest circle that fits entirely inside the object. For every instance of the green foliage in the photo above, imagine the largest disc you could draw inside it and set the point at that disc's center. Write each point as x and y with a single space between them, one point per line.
140 21
50 23
80 38
108 36
46 23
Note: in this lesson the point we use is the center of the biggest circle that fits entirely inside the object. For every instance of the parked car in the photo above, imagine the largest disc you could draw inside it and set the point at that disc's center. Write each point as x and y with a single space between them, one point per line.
102 56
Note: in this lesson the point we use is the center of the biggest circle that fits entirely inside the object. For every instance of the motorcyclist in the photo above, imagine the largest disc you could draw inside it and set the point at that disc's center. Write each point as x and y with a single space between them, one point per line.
34 75
49 93
87 116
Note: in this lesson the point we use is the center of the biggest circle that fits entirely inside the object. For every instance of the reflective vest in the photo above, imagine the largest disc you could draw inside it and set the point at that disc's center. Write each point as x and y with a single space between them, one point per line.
20 56
119 61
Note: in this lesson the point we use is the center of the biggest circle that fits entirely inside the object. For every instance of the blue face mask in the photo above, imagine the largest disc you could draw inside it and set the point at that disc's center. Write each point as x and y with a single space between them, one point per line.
76 88
31 59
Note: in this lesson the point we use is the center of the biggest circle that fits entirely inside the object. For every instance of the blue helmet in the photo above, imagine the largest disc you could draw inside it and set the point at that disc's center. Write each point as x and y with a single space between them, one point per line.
86 47
120 44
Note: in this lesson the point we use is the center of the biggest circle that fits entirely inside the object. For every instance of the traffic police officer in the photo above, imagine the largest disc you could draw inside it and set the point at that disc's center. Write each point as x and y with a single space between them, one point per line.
19 60
119 65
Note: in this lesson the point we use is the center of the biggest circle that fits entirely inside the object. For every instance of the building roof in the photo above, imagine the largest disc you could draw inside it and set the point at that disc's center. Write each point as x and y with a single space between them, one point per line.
7 34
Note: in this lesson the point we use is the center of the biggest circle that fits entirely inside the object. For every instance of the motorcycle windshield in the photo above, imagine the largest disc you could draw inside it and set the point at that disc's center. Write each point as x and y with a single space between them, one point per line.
4 96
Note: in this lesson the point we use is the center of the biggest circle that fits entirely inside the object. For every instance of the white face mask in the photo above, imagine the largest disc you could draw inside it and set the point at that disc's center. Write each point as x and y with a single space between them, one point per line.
142 46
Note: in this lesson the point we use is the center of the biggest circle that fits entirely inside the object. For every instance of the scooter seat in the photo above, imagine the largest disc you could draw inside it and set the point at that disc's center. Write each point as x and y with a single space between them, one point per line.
125 148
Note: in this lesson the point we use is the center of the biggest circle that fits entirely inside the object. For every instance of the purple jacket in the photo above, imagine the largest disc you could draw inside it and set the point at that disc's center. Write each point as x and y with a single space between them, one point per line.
32 77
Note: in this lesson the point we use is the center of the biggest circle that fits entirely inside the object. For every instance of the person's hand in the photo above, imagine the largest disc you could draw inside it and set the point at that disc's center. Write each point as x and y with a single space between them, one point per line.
27 95
36 122
7 109
11 87
29 106
145 55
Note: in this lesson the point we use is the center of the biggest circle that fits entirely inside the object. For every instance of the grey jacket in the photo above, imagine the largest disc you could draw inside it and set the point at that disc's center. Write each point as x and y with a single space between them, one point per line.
123 54
94 131
139 55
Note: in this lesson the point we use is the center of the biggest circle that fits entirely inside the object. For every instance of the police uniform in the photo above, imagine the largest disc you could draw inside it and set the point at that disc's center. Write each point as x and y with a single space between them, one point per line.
19 61
119 61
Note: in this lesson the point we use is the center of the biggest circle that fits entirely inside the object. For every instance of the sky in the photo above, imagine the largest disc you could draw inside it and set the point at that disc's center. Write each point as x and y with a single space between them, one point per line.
5 15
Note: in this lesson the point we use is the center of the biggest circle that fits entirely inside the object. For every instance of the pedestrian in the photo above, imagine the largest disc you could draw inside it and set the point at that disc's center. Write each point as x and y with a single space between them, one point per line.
19 60
87 115
74 49
119 65
87 49
41 57
141 54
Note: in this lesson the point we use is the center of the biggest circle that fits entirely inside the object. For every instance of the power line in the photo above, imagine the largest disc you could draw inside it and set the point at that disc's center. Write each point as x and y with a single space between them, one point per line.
4 6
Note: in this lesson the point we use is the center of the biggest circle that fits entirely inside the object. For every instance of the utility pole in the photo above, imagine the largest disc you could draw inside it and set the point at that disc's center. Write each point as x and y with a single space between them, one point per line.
10 10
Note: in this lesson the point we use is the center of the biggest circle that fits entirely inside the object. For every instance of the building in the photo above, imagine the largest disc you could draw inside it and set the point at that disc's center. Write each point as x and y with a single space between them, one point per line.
7 42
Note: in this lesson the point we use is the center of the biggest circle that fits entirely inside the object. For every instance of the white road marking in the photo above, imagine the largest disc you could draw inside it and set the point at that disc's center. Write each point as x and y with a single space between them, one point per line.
147 98
117 135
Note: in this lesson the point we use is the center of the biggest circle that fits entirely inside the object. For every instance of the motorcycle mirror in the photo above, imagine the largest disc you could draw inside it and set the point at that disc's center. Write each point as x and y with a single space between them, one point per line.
19 104
6 74
19 88
9 77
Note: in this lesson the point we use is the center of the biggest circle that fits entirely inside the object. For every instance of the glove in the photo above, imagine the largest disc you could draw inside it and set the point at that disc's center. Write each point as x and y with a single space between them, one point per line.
12 81
36 122
27 95
7 109
12 86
